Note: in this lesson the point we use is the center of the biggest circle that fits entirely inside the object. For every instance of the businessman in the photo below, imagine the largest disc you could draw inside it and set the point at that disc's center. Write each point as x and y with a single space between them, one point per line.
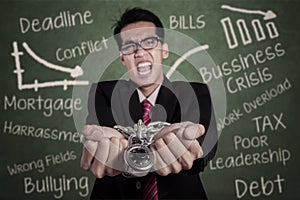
150 96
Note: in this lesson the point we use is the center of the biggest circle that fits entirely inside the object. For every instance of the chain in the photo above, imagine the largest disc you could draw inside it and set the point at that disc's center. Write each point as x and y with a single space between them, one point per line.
140 133
138 159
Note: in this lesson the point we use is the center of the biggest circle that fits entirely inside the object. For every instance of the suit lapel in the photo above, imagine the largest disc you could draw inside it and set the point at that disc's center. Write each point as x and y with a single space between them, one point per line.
167 107
129 107
135 107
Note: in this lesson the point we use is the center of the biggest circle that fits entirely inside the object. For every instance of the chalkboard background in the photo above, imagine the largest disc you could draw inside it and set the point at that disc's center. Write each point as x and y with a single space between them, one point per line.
254 44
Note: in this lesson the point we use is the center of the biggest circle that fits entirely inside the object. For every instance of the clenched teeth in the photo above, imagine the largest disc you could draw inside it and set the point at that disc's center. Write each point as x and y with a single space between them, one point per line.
144 68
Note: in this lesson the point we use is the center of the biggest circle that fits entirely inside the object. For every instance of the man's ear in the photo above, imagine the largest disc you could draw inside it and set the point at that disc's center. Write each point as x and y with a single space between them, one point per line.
121 56
165 50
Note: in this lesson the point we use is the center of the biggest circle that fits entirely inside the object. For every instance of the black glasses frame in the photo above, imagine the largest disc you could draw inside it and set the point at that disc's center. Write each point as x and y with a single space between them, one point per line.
132 47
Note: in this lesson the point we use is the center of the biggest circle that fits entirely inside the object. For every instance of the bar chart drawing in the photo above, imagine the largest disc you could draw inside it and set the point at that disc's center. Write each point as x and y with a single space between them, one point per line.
239 30
75 72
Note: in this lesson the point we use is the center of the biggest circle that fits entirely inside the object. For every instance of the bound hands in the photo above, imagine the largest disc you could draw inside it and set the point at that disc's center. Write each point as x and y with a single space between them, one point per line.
102 151
175 147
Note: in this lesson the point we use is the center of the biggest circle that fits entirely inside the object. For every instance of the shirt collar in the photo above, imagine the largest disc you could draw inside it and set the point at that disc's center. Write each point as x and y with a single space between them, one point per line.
152 98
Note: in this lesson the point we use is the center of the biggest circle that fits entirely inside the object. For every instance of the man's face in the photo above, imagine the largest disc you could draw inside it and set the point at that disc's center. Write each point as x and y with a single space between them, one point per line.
144 66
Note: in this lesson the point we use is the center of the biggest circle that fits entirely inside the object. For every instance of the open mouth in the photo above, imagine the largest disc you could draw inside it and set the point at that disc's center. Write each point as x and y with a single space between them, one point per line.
144 68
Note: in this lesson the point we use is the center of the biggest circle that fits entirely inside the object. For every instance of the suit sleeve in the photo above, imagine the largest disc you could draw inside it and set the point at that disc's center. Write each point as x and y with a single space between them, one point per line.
99 105
92 117
209 140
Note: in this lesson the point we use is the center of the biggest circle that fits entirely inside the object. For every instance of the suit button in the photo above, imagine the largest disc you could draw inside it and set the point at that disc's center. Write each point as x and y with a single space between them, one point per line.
138 185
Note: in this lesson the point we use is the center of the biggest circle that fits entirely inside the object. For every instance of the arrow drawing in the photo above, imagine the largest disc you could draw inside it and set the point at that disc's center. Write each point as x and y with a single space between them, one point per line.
267 15
77 71
184 57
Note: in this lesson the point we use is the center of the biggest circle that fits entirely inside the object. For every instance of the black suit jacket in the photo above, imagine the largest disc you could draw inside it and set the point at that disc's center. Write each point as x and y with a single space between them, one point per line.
117 102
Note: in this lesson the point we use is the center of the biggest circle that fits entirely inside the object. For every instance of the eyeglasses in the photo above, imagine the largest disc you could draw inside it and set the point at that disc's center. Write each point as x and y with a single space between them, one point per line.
146 44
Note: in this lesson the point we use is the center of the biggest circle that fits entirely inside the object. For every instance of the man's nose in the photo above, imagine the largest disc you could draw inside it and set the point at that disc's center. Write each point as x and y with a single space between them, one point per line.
139 51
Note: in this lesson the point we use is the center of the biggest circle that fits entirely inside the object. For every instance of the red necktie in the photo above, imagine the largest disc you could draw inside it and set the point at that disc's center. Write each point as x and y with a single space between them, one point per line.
147 109
150 189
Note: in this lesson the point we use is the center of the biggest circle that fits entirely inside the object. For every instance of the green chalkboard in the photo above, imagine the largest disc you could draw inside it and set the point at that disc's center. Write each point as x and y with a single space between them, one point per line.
53 49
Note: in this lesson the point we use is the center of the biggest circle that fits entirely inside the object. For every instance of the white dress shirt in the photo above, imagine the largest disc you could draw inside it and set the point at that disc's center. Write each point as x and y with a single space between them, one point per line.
152 98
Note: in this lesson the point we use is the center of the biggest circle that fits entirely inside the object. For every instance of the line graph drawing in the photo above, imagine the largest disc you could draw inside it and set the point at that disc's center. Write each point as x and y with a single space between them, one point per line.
75 72
184 57
267 15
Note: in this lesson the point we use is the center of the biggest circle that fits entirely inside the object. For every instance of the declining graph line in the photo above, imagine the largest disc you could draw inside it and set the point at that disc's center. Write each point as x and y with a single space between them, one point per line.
77 71
267 15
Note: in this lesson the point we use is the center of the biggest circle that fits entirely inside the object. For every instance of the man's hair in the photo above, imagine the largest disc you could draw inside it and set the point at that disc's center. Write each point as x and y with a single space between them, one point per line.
134 15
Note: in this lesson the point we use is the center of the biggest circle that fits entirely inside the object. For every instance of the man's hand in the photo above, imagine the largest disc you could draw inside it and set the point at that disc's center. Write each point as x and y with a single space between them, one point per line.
176 147
102 150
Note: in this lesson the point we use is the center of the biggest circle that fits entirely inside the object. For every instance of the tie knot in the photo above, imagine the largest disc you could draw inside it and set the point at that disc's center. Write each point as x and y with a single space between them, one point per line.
146 104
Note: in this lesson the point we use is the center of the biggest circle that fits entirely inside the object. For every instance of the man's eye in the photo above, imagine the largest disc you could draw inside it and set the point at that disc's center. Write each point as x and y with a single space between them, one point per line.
127 47
149 41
